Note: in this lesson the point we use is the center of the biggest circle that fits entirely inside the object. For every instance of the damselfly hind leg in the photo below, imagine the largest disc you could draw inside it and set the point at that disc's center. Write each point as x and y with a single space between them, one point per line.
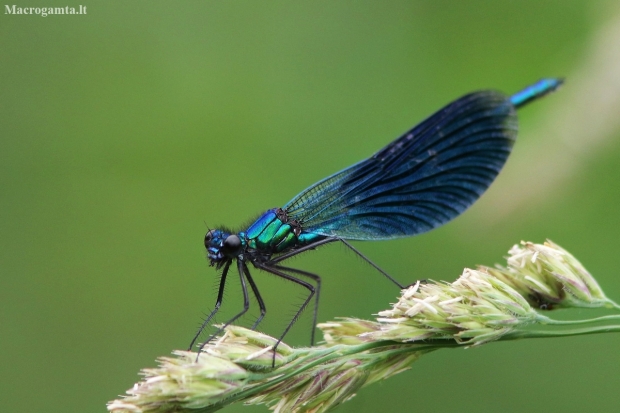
278 272
324 241
317 280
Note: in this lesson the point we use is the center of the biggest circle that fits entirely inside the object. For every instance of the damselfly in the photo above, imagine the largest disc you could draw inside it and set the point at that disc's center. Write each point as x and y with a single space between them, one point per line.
418 182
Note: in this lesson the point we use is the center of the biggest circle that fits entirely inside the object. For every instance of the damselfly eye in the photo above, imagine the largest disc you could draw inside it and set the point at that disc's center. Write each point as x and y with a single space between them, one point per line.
208 238
231 244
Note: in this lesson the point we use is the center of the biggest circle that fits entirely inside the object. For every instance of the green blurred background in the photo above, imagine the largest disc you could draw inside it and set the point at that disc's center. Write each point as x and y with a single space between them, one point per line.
126 130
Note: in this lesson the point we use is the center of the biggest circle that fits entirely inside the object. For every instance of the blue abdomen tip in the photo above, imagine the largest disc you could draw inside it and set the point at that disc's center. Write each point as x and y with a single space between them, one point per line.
535 91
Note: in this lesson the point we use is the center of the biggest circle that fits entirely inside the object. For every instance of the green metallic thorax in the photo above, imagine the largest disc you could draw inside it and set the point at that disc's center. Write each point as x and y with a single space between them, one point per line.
271 233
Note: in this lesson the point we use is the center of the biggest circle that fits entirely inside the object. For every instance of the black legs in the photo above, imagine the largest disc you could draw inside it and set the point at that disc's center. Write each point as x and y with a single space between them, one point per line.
241 267
279 271
218 303
283 272
317 290
244 273
261 303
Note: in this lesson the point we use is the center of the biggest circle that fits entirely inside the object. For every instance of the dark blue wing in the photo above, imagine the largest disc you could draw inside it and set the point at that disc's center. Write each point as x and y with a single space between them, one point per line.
420 181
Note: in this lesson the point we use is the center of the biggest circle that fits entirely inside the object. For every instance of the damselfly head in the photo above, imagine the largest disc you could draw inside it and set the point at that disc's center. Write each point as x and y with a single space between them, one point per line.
222 246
